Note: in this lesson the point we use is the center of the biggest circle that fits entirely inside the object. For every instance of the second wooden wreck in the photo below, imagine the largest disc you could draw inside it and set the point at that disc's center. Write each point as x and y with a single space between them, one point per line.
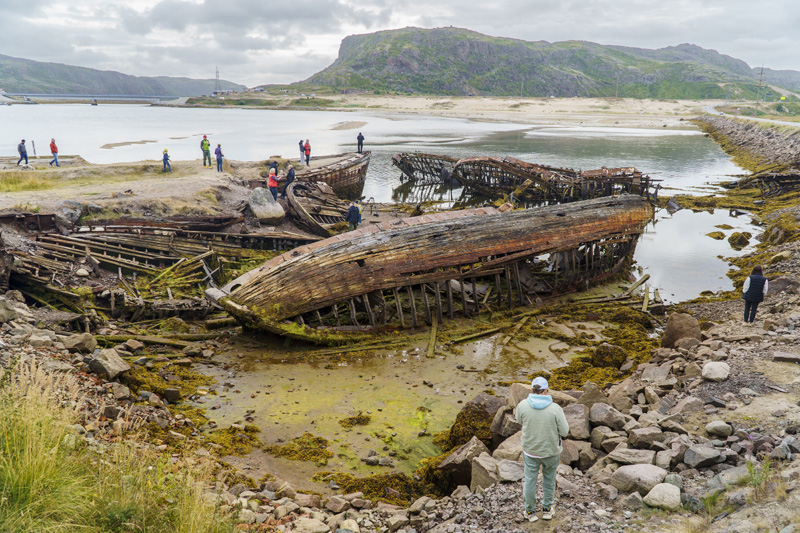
423 268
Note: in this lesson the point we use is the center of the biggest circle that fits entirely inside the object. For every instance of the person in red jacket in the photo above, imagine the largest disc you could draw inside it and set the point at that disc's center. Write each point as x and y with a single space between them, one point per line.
54 151
307 150
272 183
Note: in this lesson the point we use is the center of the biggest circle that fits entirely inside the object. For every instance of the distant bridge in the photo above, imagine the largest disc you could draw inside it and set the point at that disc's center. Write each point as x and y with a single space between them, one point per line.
117 97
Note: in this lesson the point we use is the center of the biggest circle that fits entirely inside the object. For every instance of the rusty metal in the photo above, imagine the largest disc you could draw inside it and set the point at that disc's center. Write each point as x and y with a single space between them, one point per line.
546 250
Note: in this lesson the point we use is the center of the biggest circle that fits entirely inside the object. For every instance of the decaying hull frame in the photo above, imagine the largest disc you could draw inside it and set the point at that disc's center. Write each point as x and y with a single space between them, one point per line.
425 168
435 264
346 177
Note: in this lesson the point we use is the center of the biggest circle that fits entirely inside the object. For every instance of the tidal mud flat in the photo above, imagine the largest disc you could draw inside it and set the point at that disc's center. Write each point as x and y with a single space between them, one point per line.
366 390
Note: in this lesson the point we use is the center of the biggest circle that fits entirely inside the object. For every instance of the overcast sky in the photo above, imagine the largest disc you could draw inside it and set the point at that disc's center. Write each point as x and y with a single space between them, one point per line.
257 41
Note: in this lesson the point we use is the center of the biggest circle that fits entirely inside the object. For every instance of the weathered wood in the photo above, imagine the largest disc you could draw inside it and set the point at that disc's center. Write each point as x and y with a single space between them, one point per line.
146 339
426 304
399 305
414 322
432 340
353 312
477 335
514 331
464 310
636 285
449 292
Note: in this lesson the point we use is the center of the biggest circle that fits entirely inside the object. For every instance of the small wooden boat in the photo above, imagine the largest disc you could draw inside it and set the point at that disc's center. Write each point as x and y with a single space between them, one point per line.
431 266
315 206
346 173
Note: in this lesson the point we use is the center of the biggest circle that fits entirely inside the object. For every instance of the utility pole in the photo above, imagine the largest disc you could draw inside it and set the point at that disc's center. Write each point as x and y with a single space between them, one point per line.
758 93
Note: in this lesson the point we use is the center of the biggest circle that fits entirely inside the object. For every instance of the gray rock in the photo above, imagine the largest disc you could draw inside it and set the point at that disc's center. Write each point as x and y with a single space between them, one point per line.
461 492
8 311
510 449
674 479
509 471
54 365
716 371
419 505
337 504
265 208
593 394
108 363
679 326
81 343
310 525
517 393
120 391
664 496
577 416
68 213
718 428
458 465
504 423
645 437
246 516
700 456
484 472
628 456
602 414
639 478
631 502
396 521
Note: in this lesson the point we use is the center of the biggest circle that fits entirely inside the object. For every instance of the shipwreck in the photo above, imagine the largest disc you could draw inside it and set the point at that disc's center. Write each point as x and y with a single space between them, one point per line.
423 269
496 177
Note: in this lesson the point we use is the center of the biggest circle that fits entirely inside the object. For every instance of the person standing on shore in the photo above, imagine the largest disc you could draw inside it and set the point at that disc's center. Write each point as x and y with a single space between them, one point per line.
272 183
205 146
360 140
307 152
166 167
54 151
23 152
218 153
753 293
352 216
289 180
543 427
302 151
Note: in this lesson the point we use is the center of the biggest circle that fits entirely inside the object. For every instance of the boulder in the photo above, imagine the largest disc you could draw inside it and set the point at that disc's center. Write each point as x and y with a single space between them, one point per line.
600 434
337 504
108 363
628 456
631 502
593 394
700 456
679 326
578 419
510 449
458 465
716 371
718 428
265 208
68 213
602 414
517 393
81 343
690 404
484 472
639 478
504 424
608 355
8 311
561 398
509 471
311 525
569 452
664 496
54 365
645 437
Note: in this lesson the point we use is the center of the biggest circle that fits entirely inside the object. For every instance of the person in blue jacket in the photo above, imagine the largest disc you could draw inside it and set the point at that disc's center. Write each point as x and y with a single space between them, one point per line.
166 167
753 292
352 216
218 153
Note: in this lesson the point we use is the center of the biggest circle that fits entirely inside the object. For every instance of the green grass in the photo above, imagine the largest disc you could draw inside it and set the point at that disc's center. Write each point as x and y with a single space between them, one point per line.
50 481
26 181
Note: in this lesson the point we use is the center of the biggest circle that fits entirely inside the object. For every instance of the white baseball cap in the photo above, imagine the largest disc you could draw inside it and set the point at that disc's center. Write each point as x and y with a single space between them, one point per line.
539 383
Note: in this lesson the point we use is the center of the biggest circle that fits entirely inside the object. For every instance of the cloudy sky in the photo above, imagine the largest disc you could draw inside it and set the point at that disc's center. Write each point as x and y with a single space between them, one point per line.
259 41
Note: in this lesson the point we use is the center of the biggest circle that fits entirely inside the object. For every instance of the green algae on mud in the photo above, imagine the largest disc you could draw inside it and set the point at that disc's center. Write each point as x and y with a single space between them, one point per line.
394 488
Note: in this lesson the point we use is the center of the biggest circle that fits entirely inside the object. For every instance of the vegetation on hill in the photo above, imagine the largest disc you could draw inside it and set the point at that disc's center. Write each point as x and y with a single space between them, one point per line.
456 61
27 76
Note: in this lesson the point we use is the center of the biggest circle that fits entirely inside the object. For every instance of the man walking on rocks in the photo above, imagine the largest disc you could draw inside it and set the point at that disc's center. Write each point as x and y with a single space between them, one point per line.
543 426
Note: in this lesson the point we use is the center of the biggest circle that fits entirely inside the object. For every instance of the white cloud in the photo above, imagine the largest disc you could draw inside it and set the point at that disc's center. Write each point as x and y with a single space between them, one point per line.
256 42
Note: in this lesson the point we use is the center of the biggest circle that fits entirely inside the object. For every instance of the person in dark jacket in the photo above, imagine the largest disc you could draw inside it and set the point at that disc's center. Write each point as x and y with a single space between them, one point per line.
302 151
360 140
352 216
753 292
23 152
289 180
218 153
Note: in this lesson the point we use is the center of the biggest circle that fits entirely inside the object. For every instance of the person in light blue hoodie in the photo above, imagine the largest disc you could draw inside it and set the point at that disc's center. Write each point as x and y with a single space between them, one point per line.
543 427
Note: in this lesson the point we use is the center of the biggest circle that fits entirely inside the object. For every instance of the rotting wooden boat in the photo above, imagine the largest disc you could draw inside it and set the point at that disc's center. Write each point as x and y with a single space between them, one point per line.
423 268
346 174
315 206
426 168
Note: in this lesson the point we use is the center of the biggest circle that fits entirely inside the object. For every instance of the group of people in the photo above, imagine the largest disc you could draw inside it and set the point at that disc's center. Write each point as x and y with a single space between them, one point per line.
272 179
22 150
205 147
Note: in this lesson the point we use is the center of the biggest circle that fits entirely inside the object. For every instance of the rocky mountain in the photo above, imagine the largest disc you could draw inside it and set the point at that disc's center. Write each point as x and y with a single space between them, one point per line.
457 61
24 75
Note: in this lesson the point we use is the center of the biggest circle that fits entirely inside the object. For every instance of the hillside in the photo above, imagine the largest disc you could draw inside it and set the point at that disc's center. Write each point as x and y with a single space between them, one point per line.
24 75
456 61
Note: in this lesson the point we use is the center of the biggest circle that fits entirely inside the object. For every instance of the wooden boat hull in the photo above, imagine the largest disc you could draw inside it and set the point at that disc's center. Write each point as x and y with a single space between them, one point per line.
346 177
315 207
421 167
355 269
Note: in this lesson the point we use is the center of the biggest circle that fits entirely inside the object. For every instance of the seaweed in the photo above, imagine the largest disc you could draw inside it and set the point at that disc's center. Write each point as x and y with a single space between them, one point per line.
306 447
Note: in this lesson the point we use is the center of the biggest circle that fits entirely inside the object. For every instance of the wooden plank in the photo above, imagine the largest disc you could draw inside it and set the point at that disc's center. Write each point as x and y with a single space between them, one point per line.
449 292
370 314
636 285
514 331
353 312
464 310
414 322
438 300
425 303
399 305
432 340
